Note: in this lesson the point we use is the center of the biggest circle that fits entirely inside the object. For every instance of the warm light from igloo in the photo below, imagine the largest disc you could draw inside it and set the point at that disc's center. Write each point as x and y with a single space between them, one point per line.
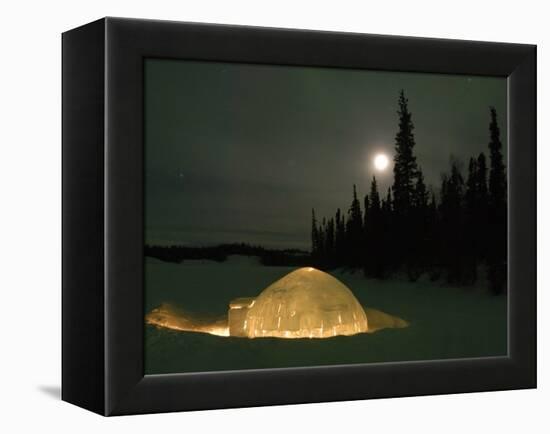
306 303
167 316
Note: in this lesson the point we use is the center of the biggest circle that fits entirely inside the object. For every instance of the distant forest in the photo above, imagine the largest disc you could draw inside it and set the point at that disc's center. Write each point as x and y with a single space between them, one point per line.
219 253
411 230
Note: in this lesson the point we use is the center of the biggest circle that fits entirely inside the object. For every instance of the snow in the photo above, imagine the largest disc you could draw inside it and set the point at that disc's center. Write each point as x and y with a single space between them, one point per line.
444 321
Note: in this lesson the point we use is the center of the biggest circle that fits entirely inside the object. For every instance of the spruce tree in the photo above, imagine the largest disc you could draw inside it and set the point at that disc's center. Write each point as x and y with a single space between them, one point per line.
418 253
322 243
404 168
471 234
374 266
355 215
374 205
432 257
354 231
405 173
496 254
472 188
329 243
497 176
420 191
389 200
366 253
387 254
314 237
481 178
432 206
482 209
366 205
452 224
340 239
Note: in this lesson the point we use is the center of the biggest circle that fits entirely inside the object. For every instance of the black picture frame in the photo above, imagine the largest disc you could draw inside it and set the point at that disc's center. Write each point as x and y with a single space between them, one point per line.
103 235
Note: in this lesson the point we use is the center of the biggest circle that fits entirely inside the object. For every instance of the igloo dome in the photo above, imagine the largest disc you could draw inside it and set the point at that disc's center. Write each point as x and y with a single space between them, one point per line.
306 303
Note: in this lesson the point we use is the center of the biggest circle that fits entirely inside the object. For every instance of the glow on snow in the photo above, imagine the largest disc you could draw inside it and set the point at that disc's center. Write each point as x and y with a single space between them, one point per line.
306 303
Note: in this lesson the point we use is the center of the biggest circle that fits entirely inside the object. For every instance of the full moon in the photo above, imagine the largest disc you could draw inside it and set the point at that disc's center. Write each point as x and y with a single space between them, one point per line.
381 162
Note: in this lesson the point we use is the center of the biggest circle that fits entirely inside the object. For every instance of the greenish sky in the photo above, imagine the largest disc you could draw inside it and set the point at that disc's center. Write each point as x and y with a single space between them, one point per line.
241 153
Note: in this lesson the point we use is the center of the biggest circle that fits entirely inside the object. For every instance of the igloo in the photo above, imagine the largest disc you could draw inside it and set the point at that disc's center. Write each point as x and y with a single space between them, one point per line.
306 303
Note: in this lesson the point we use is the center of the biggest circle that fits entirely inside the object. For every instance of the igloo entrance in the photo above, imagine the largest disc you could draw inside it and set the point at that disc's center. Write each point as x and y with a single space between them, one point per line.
306 303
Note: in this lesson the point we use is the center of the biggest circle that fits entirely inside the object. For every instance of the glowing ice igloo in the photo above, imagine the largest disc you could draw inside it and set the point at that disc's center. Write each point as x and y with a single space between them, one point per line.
306 303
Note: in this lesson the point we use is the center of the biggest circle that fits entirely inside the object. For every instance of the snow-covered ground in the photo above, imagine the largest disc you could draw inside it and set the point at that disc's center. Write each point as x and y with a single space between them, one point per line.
444 321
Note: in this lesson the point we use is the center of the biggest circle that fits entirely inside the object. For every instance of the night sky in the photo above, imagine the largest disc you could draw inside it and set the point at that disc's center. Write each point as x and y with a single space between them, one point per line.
241 153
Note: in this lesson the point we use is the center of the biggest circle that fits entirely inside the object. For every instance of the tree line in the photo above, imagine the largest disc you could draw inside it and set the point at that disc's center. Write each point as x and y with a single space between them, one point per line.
409 229
219 253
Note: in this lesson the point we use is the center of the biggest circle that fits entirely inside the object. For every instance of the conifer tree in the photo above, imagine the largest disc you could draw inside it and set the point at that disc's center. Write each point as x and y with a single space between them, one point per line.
496 255
497 176
405 168
366 253
481 178
374 204
471 189
433 236
417 261
433 205
405 172
389 201
374 264
482 209
314 237
340 239
471 230
321 234
451 212
387 234
420 197
329 243
366 205
355 215
354 230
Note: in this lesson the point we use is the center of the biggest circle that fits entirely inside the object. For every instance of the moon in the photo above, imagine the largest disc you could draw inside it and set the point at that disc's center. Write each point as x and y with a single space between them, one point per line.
381 162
